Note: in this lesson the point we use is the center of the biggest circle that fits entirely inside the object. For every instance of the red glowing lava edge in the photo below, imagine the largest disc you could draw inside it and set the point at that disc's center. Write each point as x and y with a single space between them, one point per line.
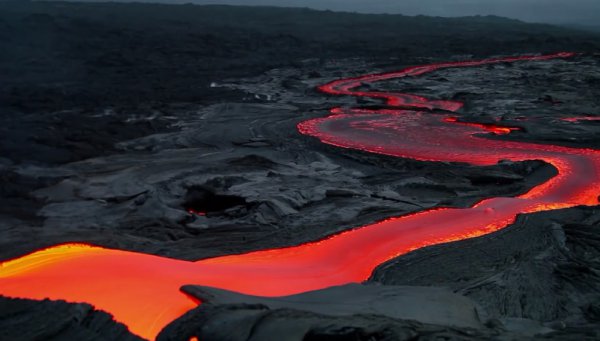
142 291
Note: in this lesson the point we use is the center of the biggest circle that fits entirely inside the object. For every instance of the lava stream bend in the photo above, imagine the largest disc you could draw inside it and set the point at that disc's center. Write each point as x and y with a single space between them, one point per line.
142 290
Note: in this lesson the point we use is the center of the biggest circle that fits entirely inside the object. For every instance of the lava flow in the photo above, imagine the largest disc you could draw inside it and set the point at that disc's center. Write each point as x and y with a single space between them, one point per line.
142 291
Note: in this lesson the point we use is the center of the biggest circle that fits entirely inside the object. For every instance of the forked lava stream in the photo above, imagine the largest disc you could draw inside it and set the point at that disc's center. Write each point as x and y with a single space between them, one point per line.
142 290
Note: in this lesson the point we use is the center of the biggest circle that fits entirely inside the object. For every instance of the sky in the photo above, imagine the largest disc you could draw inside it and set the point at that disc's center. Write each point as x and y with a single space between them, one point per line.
584 12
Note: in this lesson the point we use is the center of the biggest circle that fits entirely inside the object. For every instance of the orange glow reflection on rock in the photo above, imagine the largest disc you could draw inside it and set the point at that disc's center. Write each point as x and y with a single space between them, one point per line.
196 212
142 290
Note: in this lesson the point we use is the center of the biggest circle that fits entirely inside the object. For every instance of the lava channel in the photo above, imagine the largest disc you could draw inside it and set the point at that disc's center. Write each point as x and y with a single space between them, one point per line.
143 291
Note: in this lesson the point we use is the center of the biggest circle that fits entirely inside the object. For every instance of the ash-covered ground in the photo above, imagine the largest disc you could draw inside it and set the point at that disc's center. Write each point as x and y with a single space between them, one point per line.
112 140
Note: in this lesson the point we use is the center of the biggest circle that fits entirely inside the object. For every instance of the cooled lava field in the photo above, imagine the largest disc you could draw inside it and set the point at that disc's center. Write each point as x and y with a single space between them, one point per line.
181 172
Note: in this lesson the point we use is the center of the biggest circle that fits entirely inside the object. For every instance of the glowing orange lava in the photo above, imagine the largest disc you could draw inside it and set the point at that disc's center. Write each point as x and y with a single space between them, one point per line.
142 290
580 119
492 128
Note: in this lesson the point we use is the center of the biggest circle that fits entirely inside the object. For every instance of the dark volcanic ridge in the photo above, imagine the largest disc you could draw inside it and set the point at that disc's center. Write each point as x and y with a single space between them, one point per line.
92 56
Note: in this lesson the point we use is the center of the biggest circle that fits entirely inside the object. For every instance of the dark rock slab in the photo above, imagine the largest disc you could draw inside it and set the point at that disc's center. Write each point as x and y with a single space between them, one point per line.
350 312
424 304
27 320
257 322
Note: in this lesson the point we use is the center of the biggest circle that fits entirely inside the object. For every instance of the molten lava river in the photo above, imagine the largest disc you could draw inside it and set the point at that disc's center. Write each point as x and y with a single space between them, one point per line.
143 291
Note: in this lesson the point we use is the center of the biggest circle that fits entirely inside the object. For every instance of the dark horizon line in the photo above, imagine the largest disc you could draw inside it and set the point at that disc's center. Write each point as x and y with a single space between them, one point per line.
207 3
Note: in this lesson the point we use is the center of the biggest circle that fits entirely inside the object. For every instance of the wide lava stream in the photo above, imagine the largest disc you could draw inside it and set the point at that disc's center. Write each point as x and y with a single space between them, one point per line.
143 291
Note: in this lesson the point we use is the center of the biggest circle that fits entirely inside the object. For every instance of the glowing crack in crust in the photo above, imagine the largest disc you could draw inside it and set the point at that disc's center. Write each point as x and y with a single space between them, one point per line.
142 291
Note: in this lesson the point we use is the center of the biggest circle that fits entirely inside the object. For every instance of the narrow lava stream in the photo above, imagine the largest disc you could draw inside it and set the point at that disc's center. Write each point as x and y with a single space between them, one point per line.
142 291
